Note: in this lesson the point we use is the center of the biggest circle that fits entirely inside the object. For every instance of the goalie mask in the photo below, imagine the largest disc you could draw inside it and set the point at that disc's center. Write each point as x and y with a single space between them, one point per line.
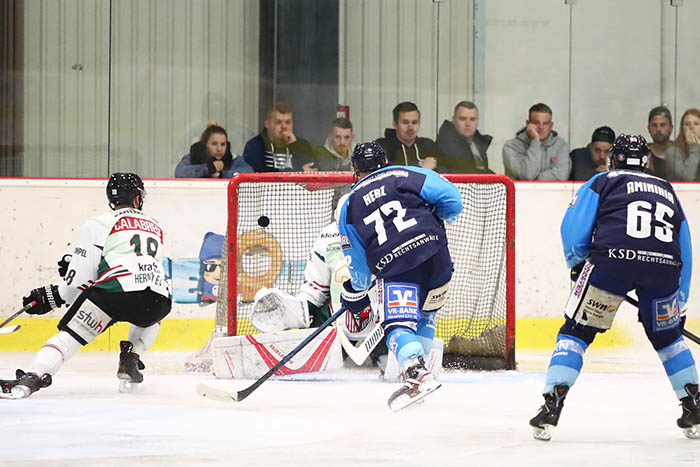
122 188
629 152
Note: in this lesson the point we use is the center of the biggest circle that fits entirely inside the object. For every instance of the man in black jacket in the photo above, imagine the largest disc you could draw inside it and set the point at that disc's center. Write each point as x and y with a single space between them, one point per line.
402 144
461 148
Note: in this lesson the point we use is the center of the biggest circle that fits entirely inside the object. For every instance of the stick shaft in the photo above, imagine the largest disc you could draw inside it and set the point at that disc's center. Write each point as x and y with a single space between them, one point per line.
16 314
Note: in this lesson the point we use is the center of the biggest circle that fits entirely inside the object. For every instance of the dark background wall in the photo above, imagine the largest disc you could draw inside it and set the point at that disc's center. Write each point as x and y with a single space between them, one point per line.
304 69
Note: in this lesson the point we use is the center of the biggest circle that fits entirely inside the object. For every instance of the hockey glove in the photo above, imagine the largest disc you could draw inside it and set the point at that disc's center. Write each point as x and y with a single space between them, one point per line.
63 264
356 302
46 299
576 271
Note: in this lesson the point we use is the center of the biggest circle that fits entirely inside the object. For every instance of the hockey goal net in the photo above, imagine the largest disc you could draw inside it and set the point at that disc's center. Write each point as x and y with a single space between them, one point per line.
274 219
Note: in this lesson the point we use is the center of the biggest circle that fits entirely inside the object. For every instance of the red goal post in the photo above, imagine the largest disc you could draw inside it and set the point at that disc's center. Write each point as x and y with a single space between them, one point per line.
274 219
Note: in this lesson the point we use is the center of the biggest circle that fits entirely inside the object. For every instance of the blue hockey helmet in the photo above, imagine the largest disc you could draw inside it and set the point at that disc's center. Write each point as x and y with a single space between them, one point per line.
630 152
122 188
368 157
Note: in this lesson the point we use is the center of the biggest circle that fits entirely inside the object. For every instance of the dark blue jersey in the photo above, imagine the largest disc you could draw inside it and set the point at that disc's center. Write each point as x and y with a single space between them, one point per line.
632 225
391 222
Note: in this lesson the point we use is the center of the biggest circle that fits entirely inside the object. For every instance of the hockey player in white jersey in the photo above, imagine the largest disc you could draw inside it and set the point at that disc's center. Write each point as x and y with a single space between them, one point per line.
115 274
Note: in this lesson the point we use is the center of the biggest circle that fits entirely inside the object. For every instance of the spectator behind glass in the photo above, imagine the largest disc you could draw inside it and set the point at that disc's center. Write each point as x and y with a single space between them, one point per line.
334 155
683 158
537 152
402 144
461 148
660 127
211 157
593 159
277 148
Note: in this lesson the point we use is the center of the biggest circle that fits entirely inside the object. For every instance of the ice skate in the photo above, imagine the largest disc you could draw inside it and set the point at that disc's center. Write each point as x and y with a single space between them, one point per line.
419 383
690 419
25 385
548 416
129 366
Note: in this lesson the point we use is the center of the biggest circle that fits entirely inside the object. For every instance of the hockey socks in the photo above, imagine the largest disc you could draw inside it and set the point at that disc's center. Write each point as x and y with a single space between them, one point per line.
406 346
679 365
55 352
566 362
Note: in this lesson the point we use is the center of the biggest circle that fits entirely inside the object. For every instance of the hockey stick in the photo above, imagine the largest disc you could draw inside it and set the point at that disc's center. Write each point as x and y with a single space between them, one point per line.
16 314
359 353
685 332
218 394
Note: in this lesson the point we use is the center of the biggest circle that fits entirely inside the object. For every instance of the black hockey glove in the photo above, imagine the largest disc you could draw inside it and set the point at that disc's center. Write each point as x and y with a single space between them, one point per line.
576 271
356 302
63 264
46 299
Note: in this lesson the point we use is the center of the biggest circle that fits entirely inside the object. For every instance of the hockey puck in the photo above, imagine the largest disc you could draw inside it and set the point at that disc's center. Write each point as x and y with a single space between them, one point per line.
263 221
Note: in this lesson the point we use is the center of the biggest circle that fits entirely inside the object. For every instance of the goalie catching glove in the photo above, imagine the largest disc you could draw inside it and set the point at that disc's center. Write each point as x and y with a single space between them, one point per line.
46 299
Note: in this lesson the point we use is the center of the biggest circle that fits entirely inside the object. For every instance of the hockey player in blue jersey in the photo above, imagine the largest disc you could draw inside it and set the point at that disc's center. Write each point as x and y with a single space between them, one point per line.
392 228
625 230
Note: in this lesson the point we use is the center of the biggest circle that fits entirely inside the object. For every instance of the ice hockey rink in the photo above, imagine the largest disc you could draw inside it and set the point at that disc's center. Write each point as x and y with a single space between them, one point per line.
621 412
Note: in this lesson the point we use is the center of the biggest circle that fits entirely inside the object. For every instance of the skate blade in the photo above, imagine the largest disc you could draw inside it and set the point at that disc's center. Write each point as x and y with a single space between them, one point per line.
693 432
17 392
543 433
405 401
126 386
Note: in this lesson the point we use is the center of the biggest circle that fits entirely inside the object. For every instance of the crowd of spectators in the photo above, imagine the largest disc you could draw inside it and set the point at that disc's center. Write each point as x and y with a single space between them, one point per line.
536 152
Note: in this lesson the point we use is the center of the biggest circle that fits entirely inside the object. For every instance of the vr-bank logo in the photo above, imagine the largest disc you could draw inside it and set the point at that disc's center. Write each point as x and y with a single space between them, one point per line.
402 302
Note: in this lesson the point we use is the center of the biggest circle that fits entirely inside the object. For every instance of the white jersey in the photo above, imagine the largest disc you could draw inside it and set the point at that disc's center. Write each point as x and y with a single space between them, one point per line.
120 251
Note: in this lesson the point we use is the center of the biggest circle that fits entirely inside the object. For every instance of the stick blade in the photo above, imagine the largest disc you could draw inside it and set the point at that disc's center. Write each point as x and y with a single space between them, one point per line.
216 394
9 329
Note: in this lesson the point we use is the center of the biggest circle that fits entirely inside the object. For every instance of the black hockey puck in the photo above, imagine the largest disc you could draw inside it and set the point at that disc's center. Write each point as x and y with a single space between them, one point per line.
263 221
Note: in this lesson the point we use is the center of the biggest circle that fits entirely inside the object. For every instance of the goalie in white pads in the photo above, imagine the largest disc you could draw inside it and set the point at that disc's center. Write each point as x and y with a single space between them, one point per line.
115 274
392 228
326 270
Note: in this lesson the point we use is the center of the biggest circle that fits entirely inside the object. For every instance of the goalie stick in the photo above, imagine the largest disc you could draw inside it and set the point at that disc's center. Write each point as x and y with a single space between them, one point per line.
685 332
4 330
237 396
359 353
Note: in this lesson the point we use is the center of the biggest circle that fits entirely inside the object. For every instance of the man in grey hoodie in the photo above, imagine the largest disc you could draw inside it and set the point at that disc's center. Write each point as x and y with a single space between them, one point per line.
537 152
334 155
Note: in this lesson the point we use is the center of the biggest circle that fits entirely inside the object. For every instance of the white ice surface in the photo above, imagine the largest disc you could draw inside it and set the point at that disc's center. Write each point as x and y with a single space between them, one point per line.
621 412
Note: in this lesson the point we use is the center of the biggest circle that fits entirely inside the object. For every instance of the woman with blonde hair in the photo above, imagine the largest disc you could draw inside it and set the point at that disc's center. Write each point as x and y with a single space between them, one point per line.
683 158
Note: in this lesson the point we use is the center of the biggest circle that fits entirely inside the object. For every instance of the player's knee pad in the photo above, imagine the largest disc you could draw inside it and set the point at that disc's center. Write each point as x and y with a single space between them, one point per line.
679 365
426 330
85 320
590 305
405 346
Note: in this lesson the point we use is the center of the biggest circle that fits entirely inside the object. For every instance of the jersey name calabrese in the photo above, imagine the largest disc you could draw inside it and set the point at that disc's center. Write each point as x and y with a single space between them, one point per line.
120 251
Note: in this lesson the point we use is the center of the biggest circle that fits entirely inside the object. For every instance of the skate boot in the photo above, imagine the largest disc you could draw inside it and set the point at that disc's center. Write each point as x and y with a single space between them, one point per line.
548 416
690 419
25 385
129 366
419 382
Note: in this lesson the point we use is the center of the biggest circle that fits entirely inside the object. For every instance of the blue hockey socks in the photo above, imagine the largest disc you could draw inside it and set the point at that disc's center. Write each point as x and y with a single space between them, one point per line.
679 365
405 345
566 362
426 330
